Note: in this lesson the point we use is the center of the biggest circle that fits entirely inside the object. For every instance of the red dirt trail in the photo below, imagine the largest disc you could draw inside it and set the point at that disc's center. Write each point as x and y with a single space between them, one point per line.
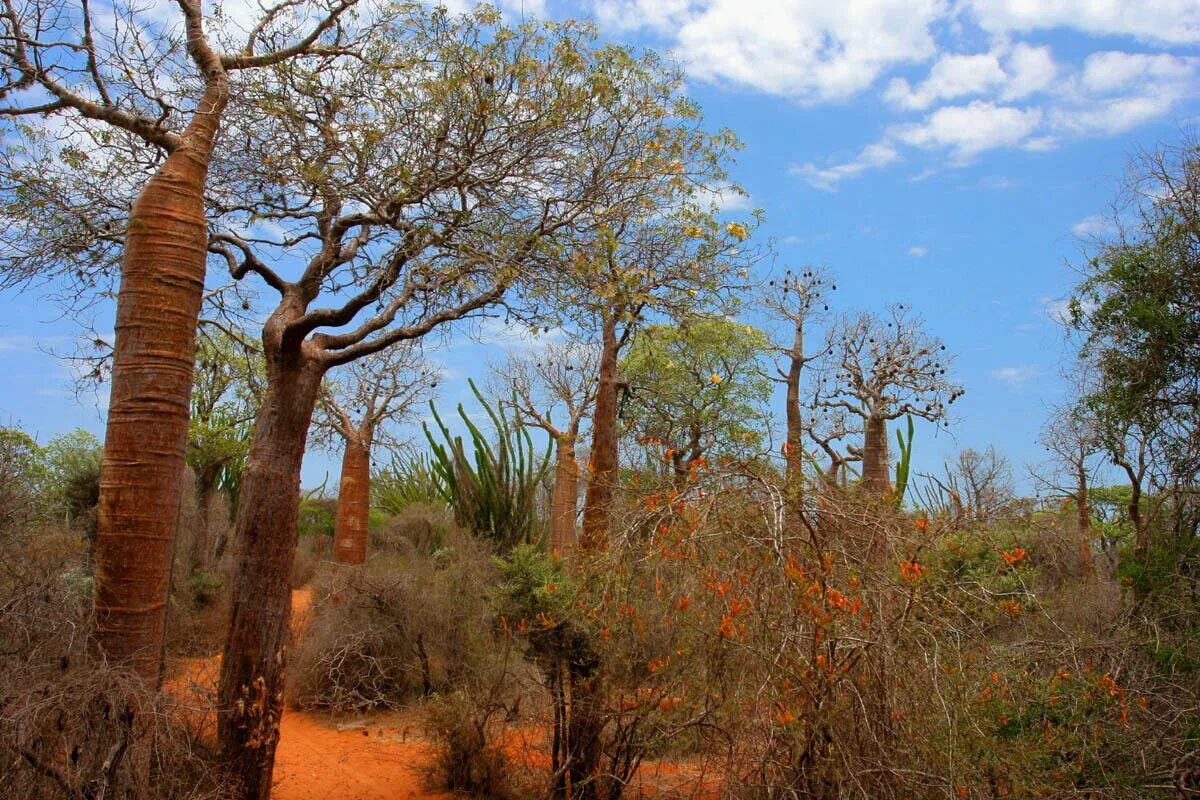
322 759
383 756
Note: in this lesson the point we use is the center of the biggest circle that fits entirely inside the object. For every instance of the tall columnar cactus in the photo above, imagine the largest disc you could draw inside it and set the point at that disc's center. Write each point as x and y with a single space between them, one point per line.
407 482
493 493
902 466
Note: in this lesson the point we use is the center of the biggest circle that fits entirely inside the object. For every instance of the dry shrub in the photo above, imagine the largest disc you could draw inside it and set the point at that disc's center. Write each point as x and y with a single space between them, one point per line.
417 528
72 726
304 567
393 630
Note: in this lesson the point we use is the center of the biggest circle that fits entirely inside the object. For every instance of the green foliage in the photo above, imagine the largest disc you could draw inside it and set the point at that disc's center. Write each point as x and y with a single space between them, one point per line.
407 482
696 389
317 517
22 477
73 477
905 461
224 403
206 587
493 492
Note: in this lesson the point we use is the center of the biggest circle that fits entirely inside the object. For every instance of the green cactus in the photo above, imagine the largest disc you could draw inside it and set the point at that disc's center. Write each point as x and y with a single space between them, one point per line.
902 466
493 494
407 482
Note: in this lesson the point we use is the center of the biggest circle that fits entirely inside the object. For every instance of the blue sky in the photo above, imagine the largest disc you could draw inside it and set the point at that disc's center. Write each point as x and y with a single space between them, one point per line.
948 155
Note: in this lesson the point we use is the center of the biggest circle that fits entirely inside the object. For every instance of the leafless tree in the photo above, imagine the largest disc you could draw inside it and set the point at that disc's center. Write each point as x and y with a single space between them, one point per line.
555 390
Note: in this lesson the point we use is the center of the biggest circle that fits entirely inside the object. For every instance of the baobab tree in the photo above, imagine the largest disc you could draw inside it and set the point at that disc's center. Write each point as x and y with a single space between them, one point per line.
1075 455
880 369
671 264
555 391
123 82
370 396
793 303
400 201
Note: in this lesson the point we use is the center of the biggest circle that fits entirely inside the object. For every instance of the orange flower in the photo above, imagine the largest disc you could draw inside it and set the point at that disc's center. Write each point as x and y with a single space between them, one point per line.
922 524
684 603
1014 556
668 703
835 599
911 571
1012 608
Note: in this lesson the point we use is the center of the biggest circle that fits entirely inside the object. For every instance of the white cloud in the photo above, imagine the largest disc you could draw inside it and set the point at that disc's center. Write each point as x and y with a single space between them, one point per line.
1091 226
1168 21
873 156
1059 309
807 50
1017 376
492 331
724 197
966 131
1117 91
917 251
1030 69
1011 92
951 77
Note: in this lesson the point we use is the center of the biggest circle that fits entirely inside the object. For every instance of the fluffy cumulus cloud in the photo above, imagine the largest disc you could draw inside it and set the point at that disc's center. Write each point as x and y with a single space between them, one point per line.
959 78
965 131
1028 101
1157 21
806 50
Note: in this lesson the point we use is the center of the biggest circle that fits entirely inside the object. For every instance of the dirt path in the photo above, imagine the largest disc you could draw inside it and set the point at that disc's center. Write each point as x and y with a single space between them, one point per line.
322 759
317 761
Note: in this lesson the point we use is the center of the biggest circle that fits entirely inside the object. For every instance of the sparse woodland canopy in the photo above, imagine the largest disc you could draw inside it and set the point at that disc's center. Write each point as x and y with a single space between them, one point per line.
292 217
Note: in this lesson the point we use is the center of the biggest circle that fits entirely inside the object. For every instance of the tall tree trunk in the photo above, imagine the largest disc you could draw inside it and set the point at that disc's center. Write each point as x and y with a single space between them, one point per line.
875 478
200 557
793 447
597 504
565 500
158 309
253 664
1083 520
351 534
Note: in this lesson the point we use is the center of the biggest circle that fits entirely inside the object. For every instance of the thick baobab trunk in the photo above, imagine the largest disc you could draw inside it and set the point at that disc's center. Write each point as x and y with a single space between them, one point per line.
252 667
597 504
158 308
200 557
875 478
565 500
351 535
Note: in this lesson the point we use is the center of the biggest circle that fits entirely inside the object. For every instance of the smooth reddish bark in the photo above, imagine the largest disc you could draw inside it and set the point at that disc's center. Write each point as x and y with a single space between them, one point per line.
597 504
875 478
351 533
158 308
564 502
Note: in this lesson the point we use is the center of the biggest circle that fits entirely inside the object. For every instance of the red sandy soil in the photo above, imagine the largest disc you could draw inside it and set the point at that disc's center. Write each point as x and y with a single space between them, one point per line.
384 756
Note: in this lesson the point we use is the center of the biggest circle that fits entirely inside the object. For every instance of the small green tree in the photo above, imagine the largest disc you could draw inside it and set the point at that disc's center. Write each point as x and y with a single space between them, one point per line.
73 479
696 389
228 379
22 477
